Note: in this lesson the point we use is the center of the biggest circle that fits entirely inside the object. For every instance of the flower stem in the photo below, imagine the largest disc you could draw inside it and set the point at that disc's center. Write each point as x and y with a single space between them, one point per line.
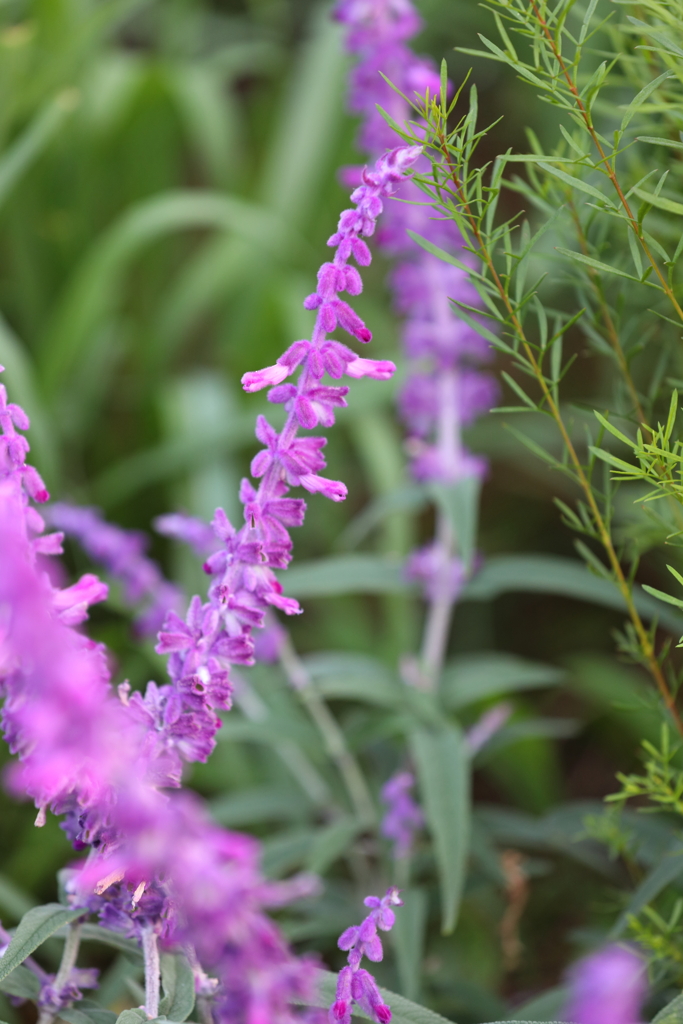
150 950
332 735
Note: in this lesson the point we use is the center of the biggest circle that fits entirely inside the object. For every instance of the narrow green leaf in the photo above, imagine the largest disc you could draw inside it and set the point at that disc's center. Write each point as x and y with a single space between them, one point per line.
177 981
661 596
641 97
671 143
661 202
33 140
664 873
443 772
34 928
577 183
604 268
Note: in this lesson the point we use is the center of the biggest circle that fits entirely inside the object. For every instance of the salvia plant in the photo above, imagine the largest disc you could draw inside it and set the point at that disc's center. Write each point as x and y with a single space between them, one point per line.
509 274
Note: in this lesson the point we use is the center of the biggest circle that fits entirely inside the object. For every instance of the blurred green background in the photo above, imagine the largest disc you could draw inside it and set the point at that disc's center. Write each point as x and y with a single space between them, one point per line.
167 186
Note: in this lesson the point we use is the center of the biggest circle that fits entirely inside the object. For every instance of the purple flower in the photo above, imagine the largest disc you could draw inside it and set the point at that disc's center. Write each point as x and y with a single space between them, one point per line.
607 988
404 817
355 985
436 571
122 553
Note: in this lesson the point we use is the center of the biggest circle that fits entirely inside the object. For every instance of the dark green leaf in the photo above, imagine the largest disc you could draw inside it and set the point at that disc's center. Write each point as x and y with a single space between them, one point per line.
443 772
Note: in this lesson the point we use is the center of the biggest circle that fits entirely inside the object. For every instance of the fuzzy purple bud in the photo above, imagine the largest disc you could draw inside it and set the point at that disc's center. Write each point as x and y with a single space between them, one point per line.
607 988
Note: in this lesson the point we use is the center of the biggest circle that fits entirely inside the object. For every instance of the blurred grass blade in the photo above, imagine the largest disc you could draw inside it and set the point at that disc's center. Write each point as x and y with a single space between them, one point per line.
30 144
307 122
95 287
443 772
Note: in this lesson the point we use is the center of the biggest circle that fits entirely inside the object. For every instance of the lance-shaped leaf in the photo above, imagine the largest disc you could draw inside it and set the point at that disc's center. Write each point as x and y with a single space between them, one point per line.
443 770
34 928
177 981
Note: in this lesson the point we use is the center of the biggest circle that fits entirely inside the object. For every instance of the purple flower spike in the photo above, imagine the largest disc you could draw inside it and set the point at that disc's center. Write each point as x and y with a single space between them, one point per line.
404 817
445 390
355 985
607 988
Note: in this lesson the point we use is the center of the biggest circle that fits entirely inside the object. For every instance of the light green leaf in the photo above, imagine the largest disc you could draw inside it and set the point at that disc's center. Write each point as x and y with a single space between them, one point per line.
474 677
661 202
661 596
344 574
443 772
177 982
671 143
34 928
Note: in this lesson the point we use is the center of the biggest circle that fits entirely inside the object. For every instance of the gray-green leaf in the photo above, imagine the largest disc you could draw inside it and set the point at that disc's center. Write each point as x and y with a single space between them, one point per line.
177 981
34 928
443 770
